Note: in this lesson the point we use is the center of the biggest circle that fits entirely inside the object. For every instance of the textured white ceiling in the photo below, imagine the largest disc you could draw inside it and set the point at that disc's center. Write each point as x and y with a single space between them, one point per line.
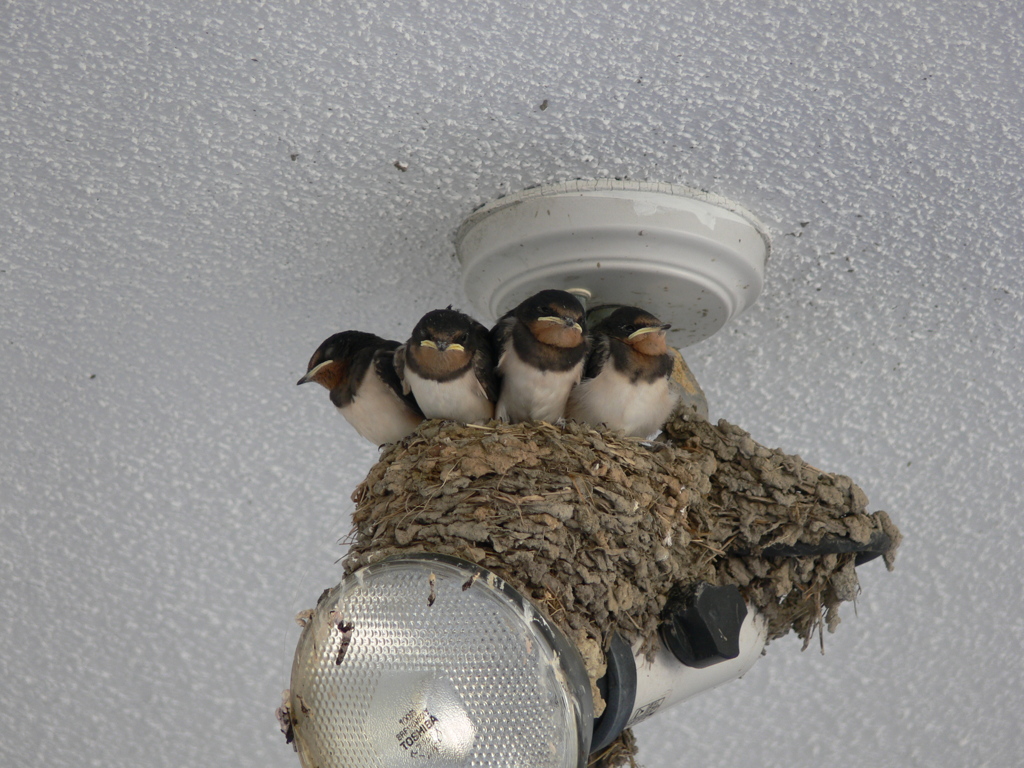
194 194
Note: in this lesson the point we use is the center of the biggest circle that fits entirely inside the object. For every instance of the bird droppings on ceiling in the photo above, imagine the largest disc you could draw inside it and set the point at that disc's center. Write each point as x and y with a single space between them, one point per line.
161 522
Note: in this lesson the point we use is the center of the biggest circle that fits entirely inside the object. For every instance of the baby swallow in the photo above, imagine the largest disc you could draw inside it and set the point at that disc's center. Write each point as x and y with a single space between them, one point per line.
448 366
358 370
627 384
541 347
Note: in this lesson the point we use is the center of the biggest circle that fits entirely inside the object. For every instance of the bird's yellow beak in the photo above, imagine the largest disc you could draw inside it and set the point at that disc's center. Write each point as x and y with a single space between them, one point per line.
442 347
312 372
649 329
568 322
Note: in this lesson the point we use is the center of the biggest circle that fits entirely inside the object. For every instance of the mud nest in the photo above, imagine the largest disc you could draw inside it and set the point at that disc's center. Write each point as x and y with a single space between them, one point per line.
597 528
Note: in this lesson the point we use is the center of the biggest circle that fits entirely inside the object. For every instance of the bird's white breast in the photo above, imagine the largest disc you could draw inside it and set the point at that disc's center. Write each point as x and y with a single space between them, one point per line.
377 413
461 399
610 398
528 393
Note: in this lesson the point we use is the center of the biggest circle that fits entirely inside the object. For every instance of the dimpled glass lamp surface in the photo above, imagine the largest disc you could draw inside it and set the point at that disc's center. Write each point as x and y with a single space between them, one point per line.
432 662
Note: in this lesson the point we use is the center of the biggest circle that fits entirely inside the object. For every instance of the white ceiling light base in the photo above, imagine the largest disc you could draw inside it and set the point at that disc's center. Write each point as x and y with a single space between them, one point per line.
691 258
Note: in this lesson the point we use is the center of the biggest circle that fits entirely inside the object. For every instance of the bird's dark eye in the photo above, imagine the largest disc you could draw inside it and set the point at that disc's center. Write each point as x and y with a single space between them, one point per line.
629 328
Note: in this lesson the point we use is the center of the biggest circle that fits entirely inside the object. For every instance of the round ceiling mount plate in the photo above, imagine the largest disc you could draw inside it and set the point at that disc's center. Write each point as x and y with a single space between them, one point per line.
691 258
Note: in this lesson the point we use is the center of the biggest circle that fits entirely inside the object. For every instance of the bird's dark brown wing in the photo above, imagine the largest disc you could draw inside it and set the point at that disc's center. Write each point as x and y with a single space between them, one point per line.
399 365
384 363
486 374
484 360
600 349
501 337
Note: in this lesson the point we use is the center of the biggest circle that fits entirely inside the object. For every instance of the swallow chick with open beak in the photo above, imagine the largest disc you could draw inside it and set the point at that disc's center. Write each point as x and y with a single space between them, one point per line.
627 384
359 372
541 347
448 365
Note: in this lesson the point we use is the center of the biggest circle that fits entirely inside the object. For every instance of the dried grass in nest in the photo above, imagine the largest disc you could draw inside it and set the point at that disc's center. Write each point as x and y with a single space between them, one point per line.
596 528
620 752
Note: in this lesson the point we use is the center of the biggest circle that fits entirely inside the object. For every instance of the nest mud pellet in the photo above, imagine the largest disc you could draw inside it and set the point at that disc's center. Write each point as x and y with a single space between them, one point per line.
597 528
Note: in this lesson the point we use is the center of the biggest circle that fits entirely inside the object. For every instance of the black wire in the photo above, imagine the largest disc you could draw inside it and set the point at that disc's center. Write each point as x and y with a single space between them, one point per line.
878 545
